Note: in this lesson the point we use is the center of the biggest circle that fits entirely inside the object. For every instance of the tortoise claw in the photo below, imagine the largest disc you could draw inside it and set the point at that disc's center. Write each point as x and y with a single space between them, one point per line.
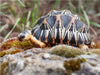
83 46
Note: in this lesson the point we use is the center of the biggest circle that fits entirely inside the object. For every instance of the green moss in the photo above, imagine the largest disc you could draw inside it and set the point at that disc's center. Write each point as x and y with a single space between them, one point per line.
15 51
4 68
73 64
5 46
19 44
67 51
23 45
88 53
2 53
10 51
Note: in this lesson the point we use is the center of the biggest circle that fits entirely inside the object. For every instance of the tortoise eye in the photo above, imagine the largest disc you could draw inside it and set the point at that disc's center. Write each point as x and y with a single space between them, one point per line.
21 37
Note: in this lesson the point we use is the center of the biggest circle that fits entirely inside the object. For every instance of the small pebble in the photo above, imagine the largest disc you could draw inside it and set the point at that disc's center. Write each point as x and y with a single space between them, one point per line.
46 56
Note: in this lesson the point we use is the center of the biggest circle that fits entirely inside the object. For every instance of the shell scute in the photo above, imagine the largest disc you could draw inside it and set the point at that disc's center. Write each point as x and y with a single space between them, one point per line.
43 26
43 36
51 20
41 20
73 40
80 41
58 37
49 37
37 33
65 20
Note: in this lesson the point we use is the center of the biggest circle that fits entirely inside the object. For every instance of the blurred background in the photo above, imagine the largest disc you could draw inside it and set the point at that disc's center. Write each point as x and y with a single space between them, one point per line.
20 15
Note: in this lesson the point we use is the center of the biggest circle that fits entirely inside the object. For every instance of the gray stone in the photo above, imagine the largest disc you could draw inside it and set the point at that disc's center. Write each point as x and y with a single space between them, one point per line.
37 61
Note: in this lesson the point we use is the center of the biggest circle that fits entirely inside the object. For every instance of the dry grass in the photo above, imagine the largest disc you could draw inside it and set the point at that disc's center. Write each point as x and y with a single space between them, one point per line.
30 11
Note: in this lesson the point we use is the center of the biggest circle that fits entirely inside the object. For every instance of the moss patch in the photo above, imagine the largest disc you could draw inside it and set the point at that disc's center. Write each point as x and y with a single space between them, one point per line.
16 43
73 64
67 51
4 68
10 51
23 45
2 53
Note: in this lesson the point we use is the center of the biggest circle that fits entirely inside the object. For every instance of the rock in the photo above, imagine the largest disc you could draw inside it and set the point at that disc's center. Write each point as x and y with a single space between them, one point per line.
31 62
38 61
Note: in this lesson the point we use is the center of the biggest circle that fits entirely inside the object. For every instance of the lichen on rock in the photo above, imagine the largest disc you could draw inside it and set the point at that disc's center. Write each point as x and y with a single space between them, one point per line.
67 51
74 64
4 68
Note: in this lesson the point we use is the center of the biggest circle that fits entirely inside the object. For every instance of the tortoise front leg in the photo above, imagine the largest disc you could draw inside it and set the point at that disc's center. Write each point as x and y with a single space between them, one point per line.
37 42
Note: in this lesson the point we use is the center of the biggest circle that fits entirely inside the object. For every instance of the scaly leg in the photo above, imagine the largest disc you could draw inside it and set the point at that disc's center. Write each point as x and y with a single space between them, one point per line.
37 42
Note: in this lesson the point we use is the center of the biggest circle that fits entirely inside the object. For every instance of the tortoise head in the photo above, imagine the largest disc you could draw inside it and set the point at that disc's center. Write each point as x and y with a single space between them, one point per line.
25 35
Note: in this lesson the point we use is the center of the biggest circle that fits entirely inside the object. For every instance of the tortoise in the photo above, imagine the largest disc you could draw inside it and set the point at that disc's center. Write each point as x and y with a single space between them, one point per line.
58 27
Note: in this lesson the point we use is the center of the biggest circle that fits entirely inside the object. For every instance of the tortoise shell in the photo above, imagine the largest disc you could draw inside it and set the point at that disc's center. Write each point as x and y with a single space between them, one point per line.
61 27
